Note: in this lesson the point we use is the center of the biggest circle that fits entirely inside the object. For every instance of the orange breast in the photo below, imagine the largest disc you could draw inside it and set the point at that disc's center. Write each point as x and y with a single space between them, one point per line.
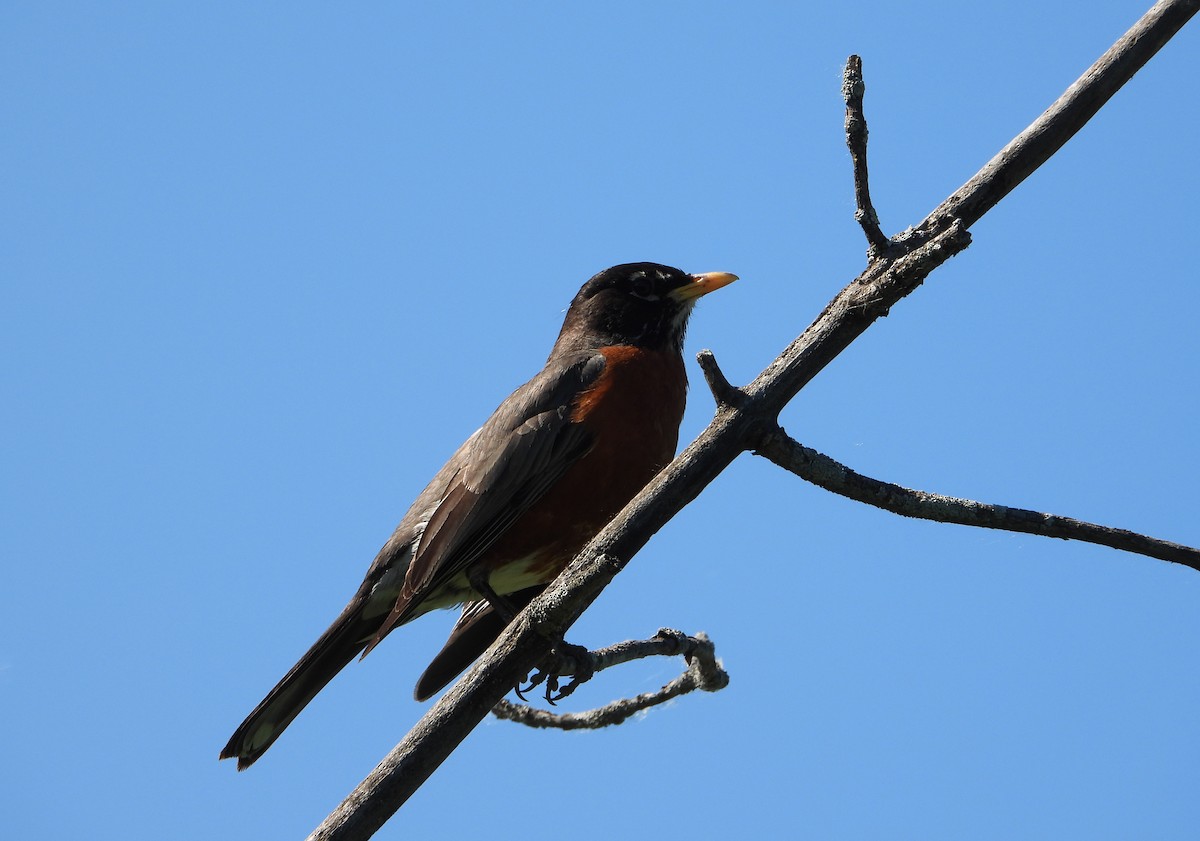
634 410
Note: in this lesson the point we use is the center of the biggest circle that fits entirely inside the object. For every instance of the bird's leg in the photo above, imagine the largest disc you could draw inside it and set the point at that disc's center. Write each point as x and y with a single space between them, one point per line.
479 579
565 657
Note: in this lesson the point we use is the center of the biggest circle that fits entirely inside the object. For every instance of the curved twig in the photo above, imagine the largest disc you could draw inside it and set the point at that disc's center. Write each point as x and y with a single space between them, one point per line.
704 672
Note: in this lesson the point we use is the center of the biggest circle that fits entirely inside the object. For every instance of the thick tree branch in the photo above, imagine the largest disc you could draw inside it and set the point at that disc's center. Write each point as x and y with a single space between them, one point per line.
734 429
826 473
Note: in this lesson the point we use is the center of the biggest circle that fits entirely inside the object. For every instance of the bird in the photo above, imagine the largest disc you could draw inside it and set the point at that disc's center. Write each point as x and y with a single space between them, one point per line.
516 502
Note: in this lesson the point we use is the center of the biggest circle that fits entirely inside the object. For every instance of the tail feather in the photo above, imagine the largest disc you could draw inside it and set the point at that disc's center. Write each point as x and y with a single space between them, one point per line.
340 644
344 640
475 630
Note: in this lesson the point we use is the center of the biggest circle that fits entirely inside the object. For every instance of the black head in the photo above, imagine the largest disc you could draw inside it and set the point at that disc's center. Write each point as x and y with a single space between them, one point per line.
641 304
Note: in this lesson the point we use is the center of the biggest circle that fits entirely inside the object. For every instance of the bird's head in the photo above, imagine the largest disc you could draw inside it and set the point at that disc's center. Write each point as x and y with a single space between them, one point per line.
641 304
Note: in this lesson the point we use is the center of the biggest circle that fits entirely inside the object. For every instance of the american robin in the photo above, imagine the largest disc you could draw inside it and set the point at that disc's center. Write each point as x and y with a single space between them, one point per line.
518 500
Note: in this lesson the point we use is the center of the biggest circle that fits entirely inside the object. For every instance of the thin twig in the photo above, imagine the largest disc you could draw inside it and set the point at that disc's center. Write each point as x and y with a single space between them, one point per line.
829 474
704 672
722 391
853 88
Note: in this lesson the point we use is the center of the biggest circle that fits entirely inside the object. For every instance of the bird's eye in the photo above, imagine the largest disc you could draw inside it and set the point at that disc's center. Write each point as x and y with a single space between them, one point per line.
640 287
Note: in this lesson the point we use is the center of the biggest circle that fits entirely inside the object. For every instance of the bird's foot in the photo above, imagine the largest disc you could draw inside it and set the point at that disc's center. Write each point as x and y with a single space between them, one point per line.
564 660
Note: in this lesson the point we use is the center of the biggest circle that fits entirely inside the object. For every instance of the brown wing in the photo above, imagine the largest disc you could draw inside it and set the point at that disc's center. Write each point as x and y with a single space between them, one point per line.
527 445
499 472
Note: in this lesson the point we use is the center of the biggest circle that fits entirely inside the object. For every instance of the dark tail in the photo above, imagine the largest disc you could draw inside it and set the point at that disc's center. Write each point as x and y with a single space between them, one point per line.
475 630
340 644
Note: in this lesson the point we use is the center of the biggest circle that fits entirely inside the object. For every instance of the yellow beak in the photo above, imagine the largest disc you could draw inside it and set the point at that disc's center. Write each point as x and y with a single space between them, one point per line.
702 284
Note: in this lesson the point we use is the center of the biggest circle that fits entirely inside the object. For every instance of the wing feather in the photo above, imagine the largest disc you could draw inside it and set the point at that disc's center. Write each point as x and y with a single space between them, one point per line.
526 446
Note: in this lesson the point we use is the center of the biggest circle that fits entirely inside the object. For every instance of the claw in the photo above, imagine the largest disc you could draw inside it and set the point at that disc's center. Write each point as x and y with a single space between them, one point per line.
551 670
534 682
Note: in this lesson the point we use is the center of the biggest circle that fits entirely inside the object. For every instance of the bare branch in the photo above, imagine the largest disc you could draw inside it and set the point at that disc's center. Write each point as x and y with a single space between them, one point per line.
853 88
941 235
826 473
704 672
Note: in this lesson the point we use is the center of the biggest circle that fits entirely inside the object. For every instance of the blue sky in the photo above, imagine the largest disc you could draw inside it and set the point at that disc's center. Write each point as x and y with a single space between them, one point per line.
265 265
